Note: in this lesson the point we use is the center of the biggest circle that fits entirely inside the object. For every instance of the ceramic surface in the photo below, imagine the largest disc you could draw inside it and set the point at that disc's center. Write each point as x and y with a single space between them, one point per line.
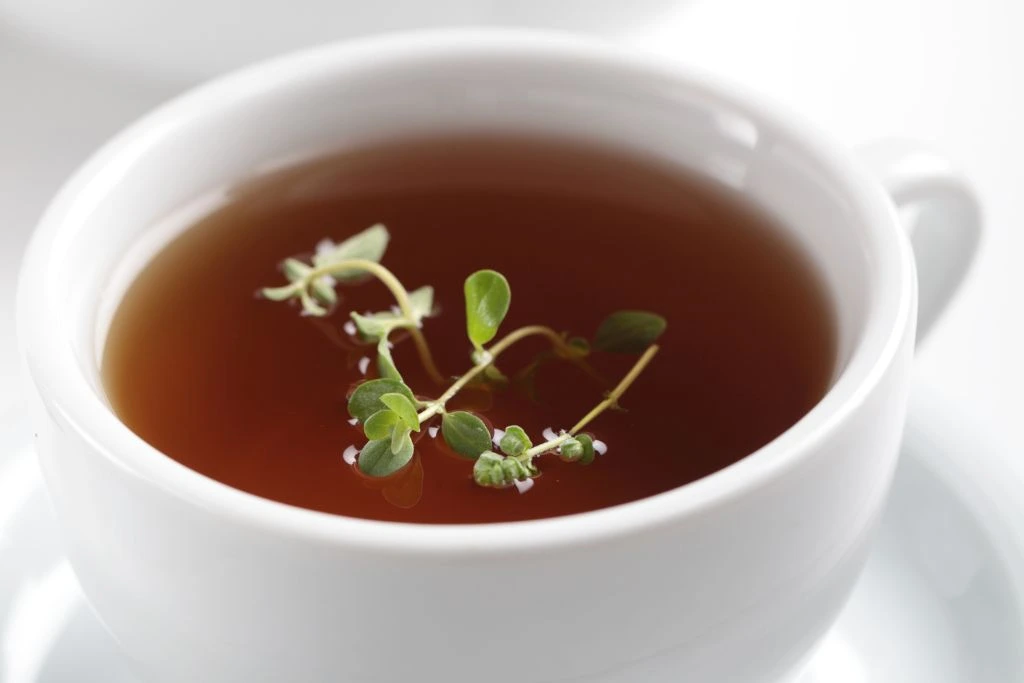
940 600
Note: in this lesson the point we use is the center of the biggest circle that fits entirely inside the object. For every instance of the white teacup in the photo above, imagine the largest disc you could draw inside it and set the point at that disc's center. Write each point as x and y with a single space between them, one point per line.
733 578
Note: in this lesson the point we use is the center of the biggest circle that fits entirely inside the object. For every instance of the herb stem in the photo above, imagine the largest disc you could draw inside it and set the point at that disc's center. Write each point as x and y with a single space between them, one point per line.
522 333
490 355
541 448
562 348
388 279
610 400
615 394
437 406
433 408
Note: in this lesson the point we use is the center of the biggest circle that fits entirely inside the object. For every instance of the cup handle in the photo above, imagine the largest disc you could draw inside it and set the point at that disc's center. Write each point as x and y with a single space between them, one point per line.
941 213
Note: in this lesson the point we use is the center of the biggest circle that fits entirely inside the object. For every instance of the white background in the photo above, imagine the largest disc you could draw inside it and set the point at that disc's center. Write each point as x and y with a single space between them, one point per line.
947 71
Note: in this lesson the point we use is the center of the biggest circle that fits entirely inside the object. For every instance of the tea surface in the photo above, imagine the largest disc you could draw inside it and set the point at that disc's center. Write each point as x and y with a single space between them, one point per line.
247 392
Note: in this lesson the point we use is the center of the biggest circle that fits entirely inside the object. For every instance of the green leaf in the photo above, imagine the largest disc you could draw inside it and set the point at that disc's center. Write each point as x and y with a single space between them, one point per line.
399 437
514 441
404 408
465 433
571 450
487 300
295 269
374 325
421 301
378 460
368 245
628 332
310 306
487 471
365 400
495 471
377 325
385 363
279 293
587 442
578 347
381 424
323 290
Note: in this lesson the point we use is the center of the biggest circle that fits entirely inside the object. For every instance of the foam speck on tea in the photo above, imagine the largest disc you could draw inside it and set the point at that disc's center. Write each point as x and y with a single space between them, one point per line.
251 394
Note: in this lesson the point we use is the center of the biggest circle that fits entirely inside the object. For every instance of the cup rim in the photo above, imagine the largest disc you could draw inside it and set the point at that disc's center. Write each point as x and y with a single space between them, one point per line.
54 368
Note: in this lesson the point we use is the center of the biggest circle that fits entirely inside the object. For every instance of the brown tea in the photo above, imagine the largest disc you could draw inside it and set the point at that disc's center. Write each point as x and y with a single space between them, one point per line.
247 392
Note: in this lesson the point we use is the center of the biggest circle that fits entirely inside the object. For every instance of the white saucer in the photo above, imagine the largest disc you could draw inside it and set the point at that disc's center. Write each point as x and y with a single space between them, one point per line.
942 599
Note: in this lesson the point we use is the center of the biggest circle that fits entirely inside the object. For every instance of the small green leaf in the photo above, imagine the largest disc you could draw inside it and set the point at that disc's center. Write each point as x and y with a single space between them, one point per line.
398 438
487 471
365 400
514 441
495 471
578 347
421 301
571 450
279 293
368 245
381 424
374 325
628 332
465 433
323 290
587 442
378 460
404 408
487 301
310 306
517 470
385 363
295 269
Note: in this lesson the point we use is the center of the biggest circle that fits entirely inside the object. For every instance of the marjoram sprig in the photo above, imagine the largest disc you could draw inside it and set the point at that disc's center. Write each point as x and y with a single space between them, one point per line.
387 408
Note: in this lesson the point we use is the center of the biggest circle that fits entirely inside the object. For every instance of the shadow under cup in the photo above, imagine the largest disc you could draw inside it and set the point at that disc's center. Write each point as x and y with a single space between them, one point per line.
732 578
